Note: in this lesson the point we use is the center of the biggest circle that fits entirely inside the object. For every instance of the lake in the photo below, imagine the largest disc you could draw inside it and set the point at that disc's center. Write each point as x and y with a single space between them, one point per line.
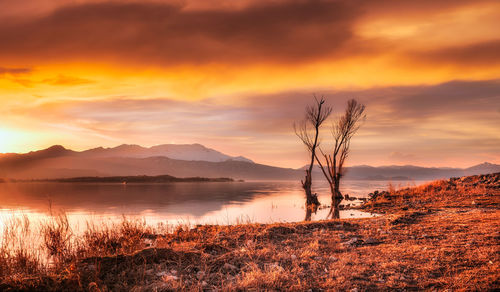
174 203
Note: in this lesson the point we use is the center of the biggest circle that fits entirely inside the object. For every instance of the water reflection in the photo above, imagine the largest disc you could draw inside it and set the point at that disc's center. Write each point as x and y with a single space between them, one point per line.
196 203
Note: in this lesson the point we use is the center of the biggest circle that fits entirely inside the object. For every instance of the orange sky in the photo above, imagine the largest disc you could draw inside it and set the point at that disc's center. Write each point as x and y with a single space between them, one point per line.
234 75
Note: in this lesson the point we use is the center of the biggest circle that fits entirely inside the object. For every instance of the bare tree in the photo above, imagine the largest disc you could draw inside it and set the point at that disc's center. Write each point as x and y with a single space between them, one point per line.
332 164
308 132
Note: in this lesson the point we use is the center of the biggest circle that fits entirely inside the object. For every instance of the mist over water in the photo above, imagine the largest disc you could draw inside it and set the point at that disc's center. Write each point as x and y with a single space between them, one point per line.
175 203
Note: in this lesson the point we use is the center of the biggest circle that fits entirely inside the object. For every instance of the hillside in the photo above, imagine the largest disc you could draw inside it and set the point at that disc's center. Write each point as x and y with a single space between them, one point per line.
191 161
406 172
30 166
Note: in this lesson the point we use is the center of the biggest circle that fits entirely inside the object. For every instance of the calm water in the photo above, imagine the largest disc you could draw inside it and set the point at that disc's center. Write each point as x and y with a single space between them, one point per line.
173 203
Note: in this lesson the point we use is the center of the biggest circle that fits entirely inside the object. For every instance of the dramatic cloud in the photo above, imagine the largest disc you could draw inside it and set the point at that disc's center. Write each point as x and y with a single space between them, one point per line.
171 33
235 75
168 34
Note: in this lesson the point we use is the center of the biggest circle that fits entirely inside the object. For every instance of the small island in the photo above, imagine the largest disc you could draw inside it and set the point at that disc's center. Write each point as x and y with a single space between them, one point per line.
130 179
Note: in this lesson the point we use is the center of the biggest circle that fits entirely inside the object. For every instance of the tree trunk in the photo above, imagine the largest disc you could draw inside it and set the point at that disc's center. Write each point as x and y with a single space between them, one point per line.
312 202
310 209
336 199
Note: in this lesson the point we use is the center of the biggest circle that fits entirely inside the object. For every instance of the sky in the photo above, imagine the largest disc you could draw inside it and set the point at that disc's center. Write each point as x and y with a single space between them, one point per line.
234 75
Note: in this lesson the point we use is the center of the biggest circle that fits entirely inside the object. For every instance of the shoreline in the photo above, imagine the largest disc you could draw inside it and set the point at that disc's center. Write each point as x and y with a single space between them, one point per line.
123 179
441 235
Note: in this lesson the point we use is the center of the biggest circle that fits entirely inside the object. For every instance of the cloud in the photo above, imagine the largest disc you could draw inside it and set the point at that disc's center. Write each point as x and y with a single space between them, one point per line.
427 115
16 75
401 157
436 124
477 54
395 110
162 34
66 80
167 34
14 71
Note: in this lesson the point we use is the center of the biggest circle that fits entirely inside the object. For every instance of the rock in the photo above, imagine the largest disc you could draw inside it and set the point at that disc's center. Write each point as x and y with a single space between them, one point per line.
332 258
371 240
293 257
349 198
352 241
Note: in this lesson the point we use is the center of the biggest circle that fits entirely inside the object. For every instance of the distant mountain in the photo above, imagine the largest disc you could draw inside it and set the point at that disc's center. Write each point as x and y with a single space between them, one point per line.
74 166
410 172
482 168
191 152
190 161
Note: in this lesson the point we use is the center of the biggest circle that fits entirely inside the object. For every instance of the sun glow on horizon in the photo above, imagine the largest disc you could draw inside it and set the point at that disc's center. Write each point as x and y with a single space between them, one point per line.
428 74
21 141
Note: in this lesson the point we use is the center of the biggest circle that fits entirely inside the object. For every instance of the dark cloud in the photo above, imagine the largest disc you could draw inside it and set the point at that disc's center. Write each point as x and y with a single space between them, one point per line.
14 71
478 54
168 34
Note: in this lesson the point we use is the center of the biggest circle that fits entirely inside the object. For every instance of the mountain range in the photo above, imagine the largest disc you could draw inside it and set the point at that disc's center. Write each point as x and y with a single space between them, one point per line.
190 160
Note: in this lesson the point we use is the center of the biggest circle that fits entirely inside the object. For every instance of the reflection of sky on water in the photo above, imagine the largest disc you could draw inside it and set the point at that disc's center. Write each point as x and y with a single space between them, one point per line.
193 203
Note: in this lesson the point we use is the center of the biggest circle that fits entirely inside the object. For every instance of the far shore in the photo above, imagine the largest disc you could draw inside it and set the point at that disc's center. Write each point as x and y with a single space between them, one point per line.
125 179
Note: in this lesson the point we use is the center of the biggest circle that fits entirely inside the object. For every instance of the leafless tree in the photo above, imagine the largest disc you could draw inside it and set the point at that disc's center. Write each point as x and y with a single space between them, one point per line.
332 164
308 132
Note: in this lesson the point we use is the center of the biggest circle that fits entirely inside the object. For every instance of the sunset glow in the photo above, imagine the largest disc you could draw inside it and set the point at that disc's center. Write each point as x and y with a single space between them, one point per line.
233 76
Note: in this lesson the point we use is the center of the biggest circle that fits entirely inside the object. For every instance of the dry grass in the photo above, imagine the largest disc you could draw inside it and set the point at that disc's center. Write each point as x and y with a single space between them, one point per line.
432 237
469 191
